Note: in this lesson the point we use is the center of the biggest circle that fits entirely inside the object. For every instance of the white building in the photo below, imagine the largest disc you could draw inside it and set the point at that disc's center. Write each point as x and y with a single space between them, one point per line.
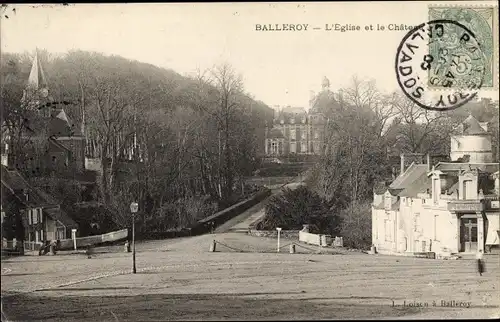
450 208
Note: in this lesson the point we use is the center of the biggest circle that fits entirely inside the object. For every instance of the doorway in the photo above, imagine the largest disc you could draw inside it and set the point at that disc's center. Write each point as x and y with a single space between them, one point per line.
468 235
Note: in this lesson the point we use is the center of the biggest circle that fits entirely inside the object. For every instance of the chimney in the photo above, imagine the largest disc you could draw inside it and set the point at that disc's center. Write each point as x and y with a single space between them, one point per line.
428 162
402 156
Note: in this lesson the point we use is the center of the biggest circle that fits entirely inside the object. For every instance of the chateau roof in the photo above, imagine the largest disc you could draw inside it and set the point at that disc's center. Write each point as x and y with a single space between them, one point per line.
275 134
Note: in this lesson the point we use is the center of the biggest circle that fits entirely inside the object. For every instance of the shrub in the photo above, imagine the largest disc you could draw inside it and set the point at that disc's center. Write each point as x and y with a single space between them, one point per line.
356 226
294 208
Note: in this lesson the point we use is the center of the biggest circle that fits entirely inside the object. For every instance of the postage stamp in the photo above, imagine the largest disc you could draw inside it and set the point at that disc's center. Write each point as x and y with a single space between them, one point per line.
457 61
443 53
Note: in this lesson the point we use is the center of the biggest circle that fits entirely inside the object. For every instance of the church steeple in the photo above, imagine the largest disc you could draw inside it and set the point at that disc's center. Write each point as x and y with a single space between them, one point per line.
37 88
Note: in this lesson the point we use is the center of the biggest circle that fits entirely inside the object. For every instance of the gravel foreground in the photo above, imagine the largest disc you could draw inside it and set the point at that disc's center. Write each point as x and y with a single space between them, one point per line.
180 280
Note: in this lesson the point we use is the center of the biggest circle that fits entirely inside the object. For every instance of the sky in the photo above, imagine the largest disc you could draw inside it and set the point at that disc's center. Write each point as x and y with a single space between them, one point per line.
278 67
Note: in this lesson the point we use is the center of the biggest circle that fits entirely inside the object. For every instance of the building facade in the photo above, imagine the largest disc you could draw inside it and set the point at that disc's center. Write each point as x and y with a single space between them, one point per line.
297 131
452 207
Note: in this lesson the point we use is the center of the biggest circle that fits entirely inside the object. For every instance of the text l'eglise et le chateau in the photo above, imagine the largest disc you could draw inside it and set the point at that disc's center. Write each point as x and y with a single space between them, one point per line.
331 27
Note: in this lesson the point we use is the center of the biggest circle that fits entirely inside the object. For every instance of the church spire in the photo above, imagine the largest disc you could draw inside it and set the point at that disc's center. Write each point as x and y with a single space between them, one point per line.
37 87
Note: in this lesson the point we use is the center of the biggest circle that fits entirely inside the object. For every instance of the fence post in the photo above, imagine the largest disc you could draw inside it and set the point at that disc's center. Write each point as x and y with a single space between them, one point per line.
73 236
292 249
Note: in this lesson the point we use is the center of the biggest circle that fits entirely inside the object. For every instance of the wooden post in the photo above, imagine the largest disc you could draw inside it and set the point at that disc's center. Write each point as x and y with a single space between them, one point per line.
73 236
212 246
292 249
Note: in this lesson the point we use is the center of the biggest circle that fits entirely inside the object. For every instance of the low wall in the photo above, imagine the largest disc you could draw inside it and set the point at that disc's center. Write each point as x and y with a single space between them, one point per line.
289 234
203 225
315 239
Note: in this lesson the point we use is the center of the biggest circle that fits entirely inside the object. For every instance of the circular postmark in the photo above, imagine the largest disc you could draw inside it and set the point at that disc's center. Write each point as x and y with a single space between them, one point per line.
440 65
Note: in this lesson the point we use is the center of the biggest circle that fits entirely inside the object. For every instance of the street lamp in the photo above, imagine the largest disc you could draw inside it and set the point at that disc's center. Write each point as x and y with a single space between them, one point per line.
134 206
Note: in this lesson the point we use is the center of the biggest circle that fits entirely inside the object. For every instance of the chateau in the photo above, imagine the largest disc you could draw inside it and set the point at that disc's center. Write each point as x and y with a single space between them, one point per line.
452 207
297 131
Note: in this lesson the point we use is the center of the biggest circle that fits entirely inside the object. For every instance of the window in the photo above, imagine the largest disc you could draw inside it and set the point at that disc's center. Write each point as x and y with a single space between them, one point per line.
416 222
293 147
316 135
388 230
387 202
303 147
292 120
436 228
436 190
30 218
303 134
34 214
293 134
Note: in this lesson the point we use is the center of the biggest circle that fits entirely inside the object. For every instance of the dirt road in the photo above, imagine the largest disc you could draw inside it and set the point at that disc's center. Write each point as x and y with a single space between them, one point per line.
177 285
179 279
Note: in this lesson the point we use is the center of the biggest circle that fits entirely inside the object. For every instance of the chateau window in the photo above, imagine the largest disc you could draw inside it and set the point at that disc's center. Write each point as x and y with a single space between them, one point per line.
316 135
293 147
303 147
34 213
293 134
303 134
292 120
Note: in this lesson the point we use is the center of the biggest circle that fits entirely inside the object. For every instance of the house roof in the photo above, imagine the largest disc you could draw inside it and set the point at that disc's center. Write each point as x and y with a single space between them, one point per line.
405 179
485 167
60 125
471 126
17 185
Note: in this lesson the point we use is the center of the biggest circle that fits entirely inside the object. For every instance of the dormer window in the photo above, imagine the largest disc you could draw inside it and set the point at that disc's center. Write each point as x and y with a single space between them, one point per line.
292 120
387 201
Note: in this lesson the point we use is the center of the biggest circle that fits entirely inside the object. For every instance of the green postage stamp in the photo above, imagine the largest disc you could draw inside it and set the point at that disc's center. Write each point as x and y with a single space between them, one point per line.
454 58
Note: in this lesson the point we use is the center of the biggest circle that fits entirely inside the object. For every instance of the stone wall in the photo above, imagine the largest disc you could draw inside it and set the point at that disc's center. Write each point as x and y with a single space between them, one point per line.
288 234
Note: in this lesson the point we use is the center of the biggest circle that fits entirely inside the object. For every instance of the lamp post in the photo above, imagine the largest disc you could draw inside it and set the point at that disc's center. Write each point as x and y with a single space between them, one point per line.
279 232
133 209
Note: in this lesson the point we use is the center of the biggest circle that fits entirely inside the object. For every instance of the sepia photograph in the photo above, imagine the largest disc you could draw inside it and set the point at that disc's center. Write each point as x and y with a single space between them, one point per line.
250 161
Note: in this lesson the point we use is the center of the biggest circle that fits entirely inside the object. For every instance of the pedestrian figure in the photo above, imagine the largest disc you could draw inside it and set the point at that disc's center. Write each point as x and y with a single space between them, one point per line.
480 263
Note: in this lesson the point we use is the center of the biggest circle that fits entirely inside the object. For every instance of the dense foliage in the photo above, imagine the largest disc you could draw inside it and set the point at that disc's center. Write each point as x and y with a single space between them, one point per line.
294 208
160 138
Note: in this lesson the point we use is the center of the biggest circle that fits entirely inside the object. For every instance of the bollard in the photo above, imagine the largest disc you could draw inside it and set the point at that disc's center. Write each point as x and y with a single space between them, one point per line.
292 249
127 247
212 246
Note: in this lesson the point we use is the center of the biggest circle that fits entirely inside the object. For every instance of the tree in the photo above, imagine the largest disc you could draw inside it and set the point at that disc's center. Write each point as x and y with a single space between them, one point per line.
356 228
293 208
